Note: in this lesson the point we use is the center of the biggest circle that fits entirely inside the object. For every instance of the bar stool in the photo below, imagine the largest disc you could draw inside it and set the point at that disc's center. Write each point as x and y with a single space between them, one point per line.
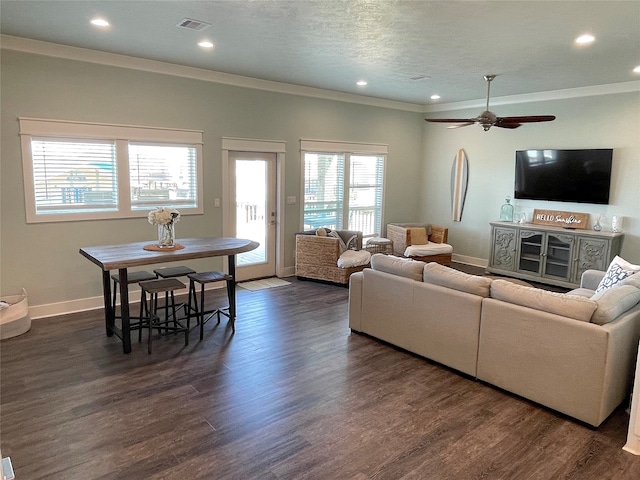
132 277
172 272
203 278
149 312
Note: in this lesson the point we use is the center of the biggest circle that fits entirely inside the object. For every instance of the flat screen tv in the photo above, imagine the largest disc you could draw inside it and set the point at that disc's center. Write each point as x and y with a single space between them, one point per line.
581 176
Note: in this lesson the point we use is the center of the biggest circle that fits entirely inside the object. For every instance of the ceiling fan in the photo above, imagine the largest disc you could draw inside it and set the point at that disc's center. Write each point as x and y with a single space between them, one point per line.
489 119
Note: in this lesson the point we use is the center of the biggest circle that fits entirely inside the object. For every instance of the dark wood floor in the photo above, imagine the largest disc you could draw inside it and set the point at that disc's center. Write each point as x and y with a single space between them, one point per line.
292 395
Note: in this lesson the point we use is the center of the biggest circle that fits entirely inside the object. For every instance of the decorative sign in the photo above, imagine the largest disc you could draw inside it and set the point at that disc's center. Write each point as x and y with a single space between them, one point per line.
557 218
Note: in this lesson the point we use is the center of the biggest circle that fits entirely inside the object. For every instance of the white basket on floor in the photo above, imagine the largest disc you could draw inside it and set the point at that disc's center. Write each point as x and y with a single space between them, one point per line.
15 319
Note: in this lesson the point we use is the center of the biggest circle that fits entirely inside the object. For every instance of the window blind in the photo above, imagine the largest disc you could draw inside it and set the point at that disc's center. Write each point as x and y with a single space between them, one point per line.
162 173
366 193
323 190
74 175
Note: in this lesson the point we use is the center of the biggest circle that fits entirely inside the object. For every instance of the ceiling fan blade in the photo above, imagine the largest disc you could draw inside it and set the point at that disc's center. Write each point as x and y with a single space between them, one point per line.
466 124
527 119
507 125
451 120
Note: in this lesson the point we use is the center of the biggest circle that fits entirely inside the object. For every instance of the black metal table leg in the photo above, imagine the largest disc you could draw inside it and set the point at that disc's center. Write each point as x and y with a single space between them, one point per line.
124 310
109 312
231 289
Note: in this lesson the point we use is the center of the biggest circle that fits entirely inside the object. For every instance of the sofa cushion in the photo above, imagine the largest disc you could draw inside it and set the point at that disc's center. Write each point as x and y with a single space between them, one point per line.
403 267
618 270
582 292
457 280
613 302
353 258
430 249
578 308
633 280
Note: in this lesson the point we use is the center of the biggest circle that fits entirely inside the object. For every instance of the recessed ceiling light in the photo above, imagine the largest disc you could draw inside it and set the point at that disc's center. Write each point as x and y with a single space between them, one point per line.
584 39
435 97
99 22
205 44
361 83
637 69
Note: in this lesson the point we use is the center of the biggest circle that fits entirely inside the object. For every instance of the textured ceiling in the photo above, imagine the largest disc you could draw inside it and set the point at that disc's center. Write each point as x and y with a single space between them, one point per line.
331 44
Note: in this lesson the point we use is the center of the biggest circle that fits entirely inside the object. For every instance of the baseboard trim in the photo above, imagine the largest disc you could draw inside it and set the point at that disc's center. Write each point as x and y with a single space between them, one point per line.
476 262
92 303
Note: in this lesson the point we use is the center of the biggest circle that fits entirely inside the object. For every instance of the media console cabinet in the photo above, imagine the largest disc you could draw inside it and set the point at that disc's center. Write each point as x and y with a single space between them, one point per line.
546 254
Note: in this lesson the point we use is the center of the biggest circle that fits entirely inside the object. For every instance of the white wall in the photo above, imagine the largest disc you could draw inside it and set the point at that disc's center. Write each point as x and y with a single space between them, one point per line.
44 258
605 121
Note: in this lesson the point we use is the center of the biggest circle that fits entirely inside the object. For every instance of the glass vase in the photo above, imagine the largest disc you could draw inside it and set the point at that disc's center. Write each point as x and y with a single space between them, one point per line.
506 212
166 235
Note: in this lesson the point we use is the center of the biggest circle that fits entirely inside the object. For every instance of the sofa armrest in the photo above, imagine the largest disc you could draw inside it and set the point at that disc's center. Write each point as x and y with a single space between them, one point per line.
591 279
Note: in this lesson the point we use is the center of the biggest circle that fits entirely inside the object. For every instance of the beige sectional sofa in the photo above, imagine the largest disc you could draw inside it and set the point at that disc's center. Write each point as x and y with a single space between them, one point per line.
565 351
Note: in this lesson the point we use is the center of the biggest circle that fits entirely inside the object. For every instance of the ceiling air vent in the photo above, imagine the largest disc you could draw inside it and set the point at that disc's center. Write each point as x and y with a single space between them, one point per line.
192 24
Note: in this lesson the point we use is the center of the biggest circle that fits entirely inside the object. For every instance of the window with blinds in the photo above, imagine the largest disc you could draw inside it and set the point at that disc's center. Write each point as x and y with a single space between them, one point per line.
343 186
161 173
85 171
323 190
74 175
366 182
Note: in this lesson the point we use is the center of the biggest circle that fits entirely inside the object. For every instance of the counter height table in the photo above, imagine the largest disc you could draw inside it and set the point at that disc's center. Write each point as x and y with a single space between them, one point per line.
121 257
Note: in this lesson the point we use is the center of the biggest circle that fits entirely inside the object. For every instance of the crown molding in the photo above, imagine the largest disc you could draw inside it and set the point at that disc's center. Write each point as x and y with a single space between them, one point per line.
38 47
608 89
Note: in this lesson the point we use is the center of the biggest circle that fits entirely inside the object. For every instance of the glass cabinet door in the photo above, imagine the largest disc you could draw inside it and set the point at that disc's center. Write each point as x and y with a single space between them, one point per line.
530 247
557 256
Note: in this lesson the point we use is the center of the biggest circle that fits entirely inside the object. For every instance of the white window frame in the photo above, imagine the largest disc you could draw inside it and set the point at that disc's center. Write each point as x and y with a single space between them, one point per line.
121 135
347 149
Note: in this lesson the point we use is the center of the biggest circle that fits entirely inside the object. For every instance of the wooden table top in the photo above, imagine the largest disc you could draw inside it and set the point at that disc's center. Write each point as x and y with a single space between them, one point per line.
113 257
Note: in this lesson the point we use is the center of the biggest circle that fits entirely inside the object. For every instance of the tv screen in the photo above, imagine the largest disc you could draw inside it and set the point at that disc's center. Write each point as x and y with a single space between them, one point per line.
581 176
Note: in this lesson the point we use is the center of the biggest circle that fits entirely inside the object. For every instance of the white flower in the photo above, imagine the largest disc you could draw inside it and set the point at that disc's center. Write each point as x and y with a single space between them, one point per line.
163 216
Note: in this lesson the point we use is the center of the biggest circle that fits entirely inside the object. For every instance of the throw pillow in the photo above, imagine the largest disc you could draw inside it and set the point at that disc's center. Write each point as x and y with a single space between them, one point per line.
321 232
618 270
417 236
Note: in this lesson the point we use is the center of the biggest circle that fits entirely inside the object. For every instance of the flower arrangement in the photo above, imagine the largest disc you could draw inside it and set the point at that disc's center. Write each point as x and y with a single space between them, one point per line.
163 216
165 219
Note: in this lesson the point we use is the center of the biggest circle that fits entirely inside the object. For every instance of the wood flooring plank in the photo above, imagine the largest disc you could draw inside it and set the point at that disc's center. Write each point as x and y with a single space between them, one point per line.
291 395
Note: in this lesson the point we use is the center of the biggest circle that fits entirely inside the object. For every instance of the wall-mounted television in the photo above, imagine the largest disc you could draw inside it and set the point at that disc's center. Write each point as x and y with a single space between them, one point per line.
581 176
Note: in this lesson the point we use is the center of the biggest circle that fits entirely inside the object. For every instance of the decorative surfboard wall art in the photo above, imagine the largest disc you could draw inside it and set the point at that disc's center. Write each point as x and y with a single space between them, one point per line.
459 181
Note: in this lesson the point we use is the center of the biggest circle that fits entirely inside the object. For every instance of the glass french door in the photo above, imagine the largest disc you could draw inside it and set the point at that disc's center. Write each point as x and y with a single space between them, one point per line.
253 188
